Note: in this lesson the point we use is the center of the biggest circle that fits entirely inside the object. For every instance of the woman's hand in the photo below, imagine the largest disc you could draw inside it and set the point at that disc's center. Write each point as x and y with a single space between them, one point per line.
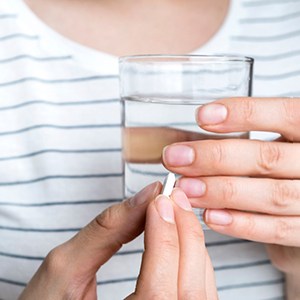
251 188
175 262
69 271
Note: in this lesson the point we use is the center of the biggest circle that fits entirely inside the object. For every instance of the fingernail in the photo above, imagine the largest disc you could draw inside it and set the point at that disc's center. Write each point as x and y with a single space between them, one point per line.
211 114
192 187
217 217
178 155
181 199
148 193
165 209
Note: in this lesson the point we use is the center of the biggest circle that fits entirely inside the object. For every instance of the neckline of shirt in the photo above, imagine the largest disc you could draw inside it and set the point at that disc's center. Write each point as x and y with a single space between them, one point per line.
101 62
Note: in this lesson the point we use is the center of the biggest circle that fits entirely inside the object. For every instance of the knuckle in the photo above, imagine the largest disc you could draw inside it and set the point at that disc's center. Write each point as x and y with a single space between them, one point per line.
281 231
107 219
55 261
250 226
291 117
169 245
282 195
228 191
248 110
290 114
217 154
105 224
195 235
268 157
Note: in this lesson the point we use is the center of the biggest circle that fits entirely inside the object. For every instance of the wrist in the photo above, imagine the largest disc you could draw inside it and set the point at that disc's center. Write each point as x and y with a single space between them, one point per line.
292 286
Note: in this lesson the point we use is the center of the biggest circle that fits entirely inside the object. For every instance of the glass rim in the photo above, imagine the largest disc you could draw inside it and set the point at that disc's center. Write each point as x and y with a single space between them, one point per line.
148 58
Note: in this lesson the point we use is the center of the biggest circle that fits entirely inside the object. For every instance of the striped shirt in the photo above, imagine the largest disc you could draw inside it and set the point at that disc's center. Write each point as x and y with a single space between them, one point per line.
60 154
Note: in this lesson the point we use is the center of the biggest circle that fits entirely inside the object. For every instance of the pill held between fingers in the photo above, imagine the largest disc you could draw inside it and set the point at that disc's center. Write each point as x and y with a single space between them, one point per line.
168 184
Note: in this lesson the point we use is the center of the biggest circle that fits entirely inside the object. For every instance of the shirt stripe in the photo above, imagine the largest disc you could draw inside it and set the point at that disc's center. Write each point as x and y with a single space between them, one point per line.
34 58
283 18
250 284
59 127
56 177
242 265
60 151
267 38
59 103
18 36
285 55
43 230
60 203
57 81
13 282
267 2
278 76
8 16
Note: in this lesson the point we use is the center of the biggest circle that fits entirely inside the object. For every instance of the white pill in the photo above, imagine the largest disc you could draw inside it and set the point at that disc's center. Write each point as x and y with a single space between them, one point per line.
168 184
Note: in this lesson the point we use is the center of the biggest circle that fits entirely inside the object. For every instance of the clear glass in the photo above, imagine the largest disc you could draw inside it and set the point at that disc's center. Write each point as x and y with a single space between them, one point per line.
160 94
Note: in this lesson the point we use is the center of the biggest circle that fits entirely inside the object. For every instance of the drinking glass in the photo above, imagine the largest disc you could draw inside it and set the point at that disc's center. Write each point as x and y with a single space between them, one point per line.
160 94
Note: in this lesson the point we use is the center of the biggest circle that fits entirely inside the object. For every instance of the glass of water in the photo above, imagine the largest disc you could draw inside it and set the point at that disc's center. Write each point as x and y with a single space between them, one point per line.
160 94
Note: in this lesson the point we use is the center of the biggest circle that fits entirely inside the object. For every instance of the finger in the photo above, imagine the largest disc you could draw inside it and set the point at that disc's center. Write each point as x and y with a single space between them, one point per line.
270 196
159 270
234 157
281 139
117 225
256 227
211 290
193 267
281 115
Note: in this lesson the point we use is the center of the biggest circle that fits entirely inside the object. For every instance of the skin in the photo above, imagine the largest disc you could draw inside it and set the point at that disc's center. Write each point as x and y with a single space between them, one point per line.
247 185
181 271
111 26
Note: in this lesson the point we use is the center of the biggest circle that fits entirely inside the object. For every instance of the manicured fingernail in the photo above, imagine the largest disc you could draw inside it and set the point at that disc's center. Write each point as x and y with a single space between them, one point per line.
181 199
217 217
148 193
178 155
165 209
192 187
211 114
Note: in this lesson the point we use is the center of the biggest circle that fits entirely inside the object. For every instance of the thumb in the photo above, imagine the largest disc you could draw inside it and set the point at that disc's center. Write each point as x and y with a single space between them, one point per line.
73 265
105 235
